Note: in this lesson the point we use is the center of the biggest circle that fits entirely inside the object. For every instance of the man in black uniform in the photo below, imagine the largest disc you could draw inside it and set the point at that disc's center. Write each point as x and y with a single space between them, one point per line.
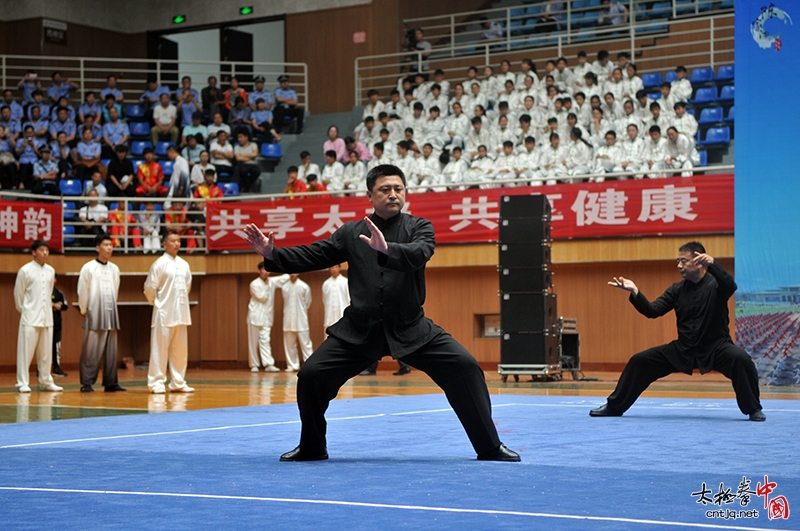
386 255
704 341
59 305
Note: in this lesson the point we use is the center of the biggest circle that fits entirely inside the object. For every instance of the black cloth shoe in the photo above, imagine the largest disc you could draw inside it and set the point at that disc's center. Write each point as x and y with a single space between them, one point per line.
501 453
758 416
114 388
297 455
58 372
603 411
87 389
402 370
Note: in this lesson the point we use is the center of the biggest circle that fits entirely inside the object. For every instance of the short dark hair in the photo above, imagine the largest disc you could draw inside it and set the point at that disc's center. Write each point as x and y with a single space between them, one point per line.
304 154
330 153
692 247
100 238
121 148
655 129
39 243
383 170
262 265
169 233
291 169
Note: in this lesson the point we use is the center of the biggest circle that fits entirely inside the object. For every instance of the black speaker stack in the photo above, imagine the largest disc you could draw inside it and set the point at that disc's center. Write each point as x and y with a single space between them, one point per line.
528 314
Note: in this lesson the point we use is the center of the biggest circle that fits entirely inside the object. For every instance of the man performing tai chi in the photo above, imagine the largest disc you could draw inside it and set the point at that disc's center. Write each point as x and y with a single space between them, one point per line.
700 302
386 254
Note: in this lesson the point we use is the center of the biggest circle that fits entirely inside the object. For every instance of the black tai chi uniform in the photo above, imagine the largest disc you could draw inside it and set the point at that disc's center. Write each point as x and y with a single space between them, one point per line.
704 342
385 317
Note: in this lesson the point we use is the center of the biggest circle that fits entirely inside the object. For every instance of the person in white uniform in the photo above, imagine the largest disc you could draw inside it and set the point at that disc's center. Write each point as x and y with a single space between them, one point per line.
335 296
296 300
260 314
32 291
655 154
98 290
681 153
167 289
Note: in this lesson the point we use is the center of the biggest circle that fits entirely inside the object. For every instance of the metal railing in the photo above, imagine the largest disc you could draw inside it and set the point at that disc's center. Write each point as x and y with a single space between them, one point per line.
700 42
90 73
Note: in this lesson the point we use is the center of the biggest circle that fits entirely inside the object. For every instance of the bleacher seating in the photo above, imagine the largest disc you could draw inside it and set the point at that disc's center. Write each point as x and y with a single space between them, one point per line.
724 73
726 94
139 129
651 80
167 165
69 234
703 158
229 189
69 210
670 76
138 147
271 151
701 75
161 148
134 112
729 118
717 136
136 163
70 187
704 95
710 115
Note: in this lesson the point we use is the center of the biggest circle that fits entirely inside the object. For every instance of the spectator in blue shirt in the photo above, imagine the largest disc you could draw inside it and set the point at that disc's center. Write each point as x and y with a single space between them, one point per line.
196 128
193 149
8 164
115 133
41 126
62 154
63 101
90 123
88 156
286 106
17 112
63 123
111 88
186 84
28 85
152 96
60 87
111 103
239 116
261 121
260 92
187 106
38 101
90 106
12 126
27 153
45 174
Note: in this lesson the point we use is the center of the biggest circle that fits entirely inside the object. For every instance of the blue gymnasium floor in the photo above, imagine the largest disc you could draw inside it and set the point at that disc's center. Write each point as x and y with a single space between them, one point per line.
401 463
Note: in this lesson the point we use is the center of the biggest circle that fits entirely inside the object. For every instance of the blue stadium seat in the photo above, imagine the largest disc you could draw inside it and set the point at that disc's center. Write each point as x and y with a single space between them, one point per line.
691 111
729 118
593 3
271 151
136 166
703 158
133 111
69 234
705 95
710 115
724 73
717 135
651 80
69 210
139 129
161 148
654 96
670 76
702 75
70 187
167 165
138 147
727 93
229 189
661 10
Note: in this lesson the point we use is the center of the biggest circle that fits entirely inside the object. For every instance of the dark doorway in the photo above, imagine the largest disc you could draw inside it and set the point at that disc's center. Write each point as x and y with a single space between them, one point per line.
236 46
167 52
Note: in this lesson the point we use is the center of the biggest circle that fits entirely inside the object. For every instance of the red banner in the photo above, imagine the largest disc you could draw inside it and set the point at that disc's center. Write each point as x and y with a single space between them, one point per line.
22 222
681 205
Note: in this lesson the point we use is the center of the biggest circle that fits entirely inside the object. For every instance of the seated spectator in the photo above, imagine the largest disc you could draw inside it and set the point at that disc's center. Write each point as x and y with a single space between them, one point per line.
91 124
379 156
120 179
492 30
193 149
187 107
655 154
110 103
681 87
375 105
612 14
62 154
314 185
426 170
286 106
550 15
366 132
17 111
233 92
60 87
63 102
29 84
176 220
165 116
186 84
246 171
88 156
63 123
97 184
260 93
45 174
213 98
632 151
27 155
93 216
12 127
152 96
8 163
332 173
194 129
115 134
89 106
306 166
551 162
355 173
150 176
657 118
39 101
118 219
335 144
352 145
239 116
111 89
668 99
222 155
150 226
179 181
199 170
633 83
681 153
209 191
216 126
261 122
293 184
685 123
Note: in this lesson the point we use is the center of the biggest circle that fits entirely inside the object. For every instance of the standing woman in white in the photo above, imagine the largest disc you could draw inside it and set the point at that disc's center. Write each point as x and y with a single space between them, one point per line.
167 288
296 300
260 312
32 296
335 296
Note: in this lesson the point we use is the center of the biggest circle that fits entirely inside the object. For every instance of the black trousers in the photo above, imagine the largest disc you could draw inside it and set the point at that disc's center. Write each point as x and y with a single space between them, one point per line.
56 347
50 186
448 364
279 113
246 175
8 176
649 365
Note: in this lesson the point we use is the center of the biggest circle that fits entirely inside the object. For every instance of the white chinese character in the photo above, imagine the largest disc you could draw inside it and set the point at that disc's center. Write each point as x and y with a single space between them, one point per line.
667 203
481 213
555 215
37 222
281 220
603 208
235 221
335 219
9 222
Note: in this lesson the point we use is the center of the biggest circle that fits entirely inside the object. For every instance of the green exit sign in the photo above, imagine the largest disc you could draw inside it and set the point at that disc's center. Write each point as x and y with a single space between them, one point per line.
246 10
179 19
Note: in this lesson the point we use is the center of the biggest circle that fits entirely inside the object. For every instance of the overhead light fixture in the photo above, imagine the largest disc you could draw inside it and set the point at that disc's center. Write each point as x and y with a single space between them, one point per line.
246 10
179 19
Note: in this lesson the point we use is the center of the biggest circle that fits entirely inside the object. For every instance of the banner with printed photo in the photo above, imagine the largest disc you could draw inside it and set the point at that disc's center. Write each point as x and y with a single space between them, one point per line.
768 187
22 222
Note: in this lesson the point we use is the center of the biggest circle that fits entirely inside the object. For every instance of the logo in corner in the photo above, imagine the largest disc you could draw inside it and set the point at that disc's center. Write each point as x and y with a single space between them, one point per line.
760 35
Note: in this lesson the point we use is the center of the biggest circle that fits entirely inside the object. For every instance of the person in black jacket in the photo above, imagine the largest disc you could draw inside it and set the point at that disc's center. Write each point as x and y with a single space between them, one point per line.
386 255
121 180
59 305
704 341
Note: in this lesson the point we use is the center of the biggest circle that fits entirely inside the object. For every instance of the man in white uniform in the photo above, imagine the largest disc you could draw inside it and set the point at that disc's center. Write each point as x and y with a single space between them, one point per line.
98 289
296 300
167 288
32 291
335 296
259 319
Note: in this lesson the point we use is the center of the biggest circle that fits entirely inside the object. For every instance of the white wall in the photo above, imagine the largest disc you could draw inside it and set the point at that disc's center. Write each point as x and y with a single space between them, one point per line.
268 47
197 46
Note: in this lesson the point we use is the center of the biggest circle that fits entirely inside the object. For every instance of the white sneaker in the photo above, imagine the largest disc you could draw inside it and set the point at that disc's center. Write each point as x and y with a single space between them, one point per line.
52 387
24 389
184 389
253 369
271 368
289 369
157 390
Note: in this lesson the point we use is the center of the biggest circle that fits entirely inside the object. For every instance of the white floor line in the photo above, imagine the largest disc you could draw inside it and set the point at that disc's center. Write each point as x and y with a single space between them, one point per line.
493 512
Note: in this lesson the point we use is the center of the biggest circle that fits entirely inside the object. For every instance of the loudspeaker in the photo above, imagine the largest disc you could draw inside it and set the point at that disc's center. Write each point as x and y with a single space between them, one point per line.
524 206
524 255
529 349
524 230
528 312
528 279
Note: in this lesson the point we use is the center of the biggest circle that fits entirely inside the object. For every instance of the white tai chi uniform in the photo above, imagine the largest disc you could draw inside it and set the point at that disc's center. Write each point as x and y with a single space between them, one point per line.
98 289
296 300
335 298
167 288
32 291
259 319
